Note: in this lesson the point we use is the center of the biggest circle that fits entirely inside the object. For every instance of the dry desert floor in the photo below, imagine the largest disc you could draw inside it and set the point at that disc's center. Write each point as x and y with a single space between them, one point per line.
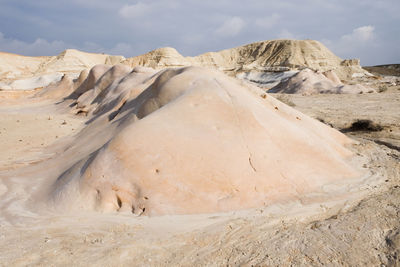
362 228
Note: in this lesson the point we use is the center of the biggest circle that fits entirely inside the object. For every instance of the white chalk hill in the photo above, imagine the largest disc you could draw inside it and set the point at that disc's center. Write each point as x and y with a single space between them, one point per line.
26 73
258 57
309 82
192 140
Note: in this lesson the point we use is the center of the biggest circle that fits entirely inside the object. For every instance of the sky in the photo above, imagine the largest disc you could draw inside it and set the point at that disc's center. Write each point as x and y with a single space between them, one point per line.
364 29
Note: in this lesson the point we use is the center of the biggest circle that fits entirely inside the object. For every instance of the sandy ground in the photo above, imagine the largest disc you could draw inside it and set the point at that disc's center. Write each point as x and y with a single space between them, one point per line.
359 228
340 111
25 132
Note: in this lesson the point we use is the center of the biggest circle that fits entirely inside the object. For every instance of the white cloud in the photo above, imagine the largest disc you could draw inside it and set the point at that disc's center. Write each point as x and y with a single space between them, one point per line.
187 25
285 34
268 22
42 47
326 42
231 27
98 4
361 34
357 44
122 49
39 47
193 39
135 10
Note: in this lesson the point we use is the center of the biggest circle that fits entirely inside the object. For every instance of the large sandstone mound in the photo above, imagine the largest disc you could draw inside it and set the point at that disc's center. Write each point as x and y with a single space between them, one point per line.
308 82
192 140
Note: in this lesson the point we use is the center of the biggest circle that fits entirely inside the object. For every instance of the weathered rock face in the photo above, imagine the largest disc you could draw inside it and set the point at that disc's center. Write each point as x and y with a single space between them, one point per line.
278 55
350 62
332 76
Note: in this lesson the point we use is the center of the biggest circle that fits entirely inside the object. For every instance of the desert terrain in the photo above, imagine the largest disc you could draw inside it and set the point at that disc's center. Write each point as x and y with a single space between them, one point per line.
275 153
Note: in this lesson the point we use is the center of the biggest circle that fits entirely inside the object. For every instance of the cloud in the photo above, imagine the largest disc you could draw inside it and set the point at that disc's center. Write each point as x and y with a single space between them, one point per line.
361 34
231 27
357 44
285 34
268 22
140 9
39 47
42 47
135 10
121 49
193 39
96 4
195 27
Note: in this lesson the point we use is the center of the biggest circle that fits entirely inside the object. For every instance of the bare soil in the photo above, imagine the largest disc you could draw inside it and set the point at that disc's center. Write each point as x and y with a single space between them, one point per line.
354 230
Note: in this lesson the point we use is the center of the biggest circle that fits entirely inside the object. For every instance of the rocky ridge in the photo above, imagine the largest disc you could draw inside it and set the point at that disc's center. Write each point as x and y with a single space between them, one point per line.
251 60
265 56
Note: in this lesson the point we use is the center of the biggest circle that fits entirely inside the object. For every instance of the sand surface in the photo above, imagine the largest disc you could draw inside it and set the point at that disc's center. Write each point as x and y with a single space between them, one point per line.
26 131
